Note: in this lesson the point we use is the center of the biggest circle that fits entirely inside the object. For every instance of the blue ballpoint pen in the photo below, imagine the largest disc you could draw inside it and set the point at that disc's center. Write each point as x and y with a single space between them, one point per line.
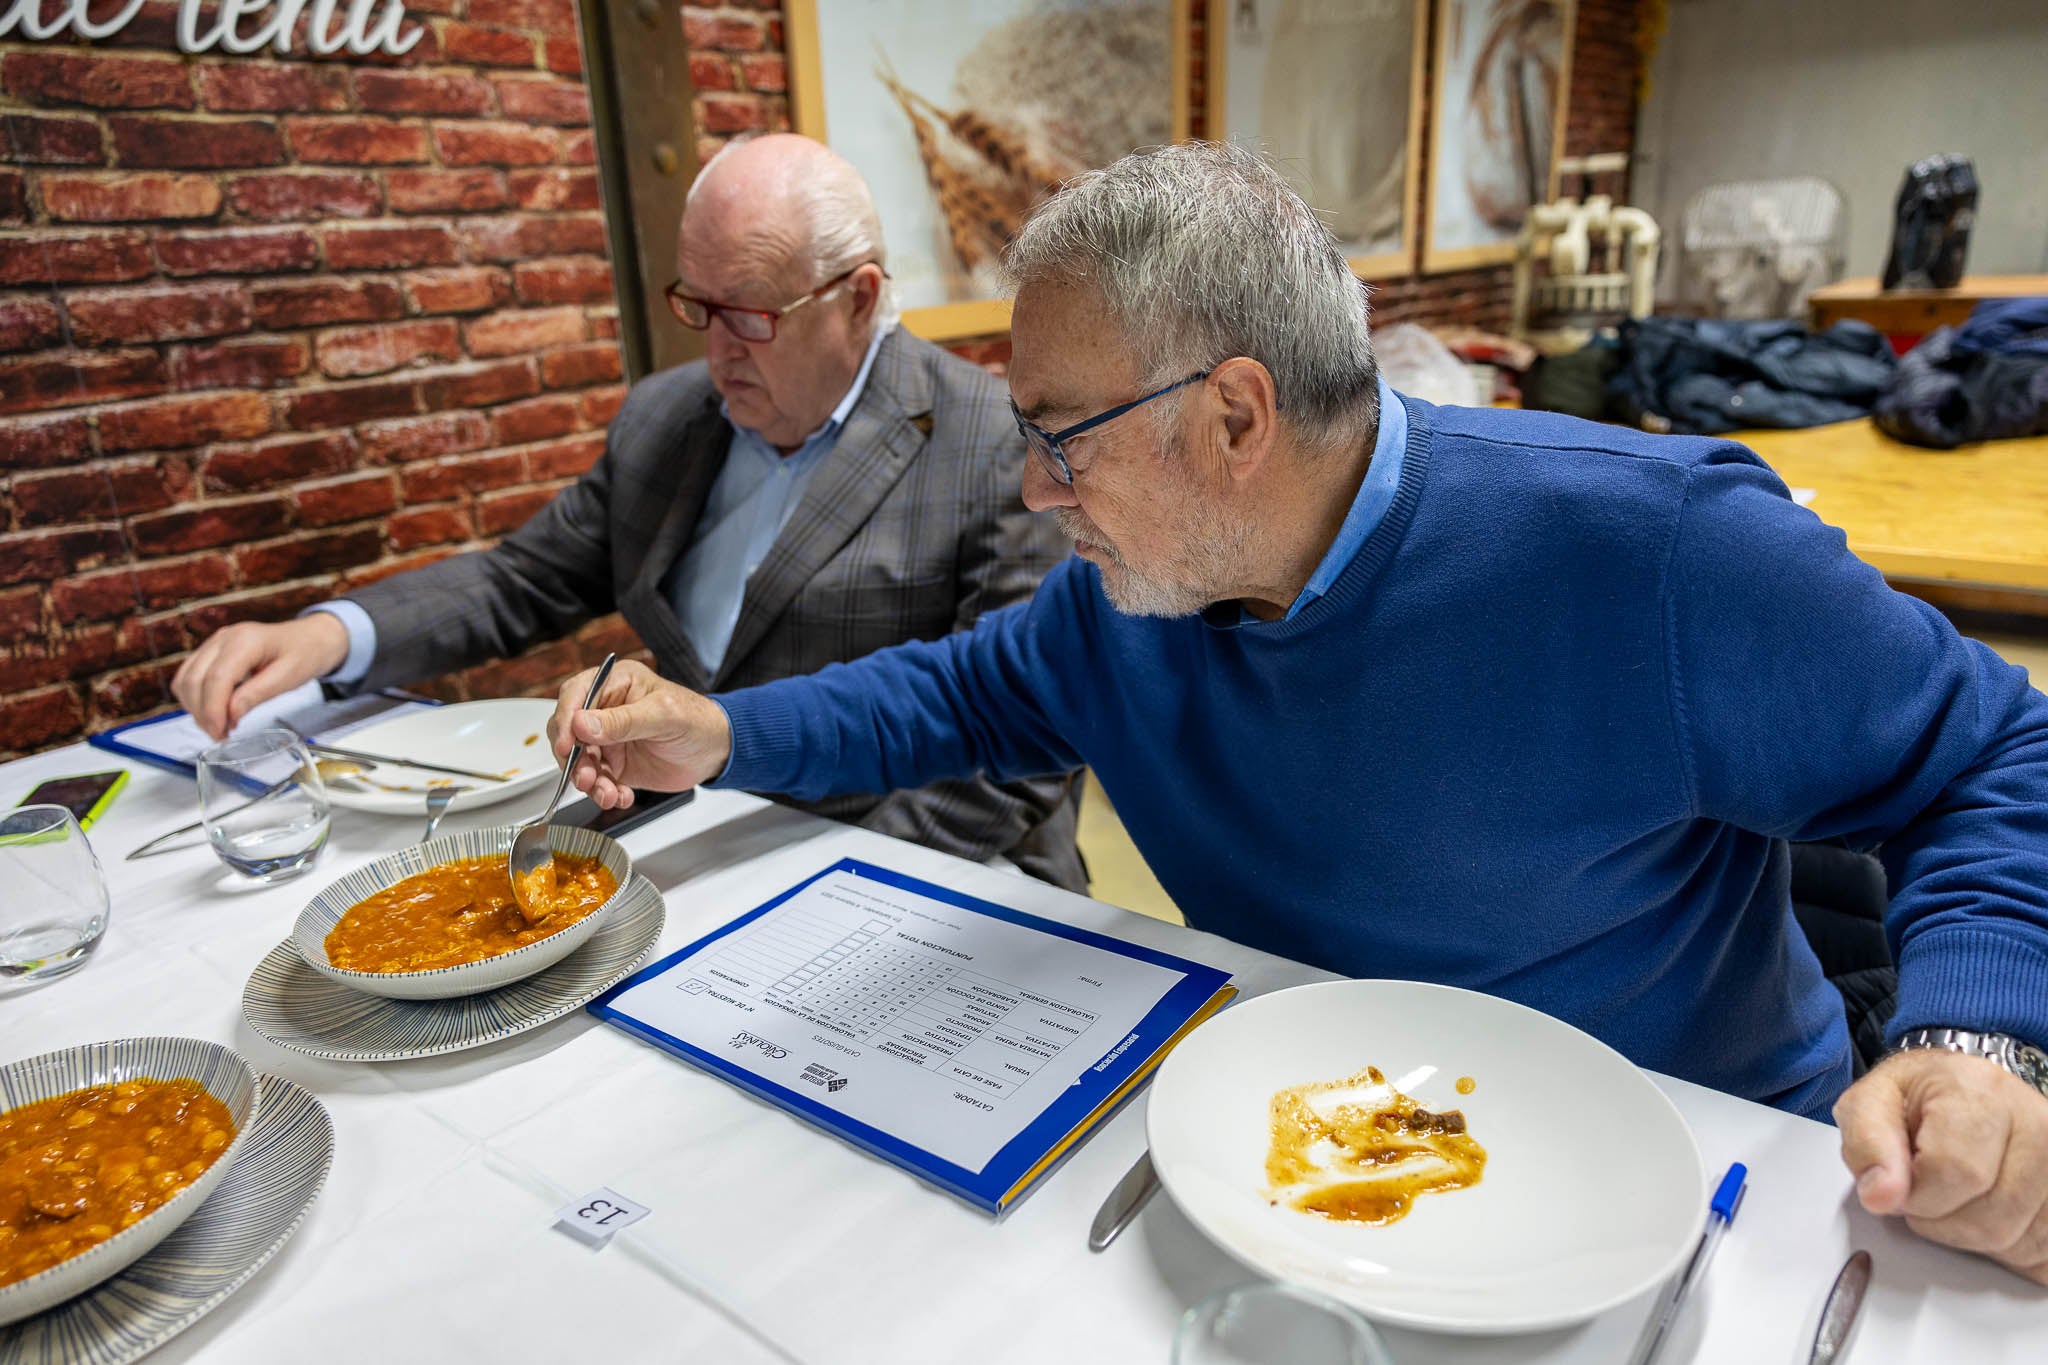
1720 1213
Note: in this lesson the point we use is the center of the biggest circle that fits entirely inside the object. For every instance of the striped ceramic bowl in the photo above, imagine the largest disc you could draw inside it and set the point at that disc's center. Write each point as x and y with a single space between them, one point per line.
317 920
224 1075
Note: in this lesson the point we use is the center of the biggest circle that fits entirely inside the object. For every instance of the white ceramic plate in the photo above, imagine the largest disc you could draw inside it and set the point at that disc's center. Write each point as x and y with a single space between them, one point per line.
496 736
1593 1190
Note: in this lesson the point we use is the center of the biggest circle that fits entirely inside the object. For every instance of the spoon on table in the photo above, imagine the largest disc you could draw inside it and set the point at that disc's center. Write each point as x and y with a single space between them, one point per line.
532 860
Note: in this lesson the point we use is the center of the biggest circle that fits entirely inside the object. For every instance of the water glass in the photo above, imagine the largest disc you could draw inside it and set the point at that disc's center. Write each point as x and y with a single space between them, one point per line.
264 803
1267 1324
53 909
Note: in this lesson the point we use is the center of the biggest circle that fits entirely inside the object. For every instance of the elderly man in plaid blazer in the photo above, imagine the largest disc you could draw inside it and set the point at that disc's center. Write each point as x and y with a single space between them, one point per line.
823 484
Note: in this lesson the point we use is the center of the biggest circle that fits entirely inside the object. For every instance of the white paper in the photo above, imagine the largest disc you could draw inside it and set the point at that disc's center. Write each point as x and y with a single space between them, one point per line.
177 736
949 1029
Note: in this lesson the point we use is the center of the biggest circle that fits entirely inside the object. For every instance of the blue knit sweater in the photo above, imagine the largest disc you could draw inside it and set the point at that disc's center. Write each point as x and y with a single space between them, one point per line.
1545 737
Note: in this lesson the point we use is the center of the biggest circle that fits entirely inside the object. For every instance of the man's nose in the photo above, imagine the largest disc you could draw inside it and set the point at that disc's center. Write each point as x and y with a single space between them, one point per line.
719 337
1041 490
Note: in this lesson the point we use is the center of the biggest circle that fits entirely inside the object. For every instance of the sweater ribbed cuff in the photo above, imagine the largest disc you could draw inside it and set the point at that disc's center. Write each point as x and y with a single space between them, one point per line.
766 743
1969 977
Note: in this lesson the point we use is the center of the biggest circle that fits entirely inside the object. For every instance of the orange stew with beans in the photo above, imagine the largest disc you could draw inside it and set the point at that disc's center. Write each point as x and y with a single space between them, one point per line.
76 1169
461 912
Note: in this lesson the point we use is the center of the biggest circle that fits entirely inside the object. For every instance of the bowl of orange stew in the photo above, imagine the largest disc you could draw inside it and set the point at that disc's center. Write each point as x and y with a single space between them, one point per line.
439 921
104 1150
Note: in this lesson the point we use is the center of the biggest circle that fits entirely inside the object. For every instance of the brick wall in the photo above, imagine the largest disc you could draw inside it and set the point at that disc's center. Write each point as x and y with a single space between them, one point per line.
271 328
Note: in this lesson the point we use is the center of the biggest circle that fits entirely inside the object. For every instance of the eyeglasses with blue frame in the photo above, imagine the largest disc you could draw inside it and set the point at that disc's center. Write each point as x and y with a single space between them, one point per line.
1049 446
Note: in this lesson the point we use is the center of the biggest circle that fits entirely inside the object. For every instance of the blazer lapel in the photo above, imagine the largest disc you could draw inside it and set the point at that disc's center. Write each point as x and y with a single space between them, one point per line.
696 458
882 435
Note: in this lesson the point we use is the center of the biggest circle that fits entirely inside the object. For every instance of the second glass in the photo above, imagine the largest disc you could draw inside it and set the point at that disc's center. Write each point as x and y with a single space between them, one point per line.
1272 1324
53 909
264 804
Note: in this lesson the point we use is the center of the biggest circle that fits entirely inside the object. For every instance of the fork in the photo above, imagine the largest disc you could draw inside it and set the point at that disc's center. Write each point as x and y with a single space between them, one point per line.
437 806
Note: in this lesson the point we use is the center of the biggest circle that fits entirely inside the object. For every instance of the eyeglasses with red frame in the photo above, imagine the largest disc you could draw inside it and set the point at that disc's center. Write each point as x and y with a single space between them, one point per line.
748 324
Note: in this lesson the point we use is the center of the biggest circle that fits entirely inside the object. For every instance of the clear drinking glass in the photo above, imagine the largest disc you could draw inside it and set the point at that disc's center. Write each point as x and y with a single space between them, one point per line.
1266 1324
264 803
53 898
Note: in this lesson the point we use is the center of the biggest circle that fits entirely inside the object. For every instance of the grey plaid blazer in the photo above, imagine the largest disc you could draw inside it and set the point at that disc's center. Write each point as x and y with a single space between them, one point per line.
911 528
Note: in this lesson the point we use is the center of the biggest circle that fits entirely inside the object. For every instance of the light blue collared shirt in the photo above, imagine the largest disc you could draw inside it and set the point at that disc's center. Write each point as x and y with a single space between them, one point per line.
749 504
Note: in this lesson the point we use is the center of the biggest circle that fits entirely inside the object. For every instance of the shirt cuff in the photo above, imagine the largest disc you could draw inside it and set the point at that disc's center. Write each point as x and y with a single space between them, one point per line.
362 640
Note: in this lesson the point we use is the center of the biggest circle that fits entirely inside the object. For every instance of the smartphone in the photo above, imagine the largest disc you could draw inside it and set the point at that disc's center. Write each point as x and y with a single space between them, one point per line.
85 796
646 806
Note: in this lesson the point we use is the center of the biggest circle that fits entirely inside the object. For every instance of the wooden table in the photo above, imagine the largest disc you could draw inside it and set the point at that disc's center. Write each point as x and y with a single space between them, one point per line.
1908 314
1965 527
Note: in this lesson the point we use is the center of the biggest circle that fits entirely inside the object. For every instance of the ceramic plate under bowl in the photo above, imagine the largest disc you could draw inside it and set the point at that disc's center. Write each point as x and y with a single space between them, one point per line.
220 1071
506 735
1593 1190
469 978
257 1207
295 1007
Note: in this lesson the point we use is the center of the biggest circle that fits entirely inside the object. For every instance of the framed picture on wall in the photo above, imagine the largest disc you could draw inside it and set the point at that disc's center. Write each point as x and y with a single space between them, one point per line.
962 117
1332 91
1497 116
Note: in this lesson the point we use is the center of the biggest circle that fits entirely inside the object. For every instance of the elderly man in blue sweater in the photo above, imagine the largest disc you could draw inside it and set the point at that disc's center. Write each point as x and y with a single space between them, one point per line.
1508 701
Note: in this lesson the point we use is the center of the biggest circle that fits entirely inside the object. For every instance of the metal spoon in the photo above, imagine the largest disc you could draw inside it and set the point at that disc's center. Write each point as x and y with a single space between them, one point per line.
530 849
437 806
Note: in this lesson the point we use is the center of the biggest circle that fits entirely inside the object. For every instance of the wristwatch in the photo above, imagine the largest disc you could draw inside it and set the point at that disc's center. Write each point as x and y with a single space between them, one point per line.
2023 1060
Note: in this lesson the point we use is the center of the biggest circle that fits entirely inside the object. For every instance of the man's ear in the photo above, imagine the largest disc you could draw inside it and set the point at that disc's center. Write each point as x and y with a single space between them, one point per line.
867 291
1247 415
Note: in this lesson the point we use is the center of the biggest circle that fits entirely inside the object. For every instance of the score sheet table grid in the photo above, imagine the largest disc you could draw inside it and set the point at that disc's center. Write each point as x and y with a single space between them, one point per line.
904 1000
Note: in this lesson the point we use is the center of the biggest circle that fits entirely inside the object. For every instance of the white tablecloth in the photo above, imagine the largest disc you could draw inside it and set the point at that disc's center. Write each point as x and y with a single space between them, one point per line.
770 1241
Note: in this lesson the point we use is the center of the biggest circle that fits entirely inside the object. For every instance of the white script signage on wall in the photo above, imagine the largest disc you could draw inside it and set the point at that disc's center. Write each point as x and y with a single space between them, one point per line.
358 26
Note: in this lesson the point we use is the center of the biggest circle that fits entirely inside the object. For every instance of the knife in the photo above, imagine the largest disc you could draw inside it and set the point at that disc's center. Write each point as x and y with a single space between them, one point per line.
332 751
1838 1314
1138 1186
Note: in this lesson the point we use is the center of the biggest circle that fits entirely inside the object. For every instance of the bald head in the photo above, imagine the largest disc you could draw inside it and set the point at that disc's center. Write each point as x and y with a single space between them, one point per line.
782 200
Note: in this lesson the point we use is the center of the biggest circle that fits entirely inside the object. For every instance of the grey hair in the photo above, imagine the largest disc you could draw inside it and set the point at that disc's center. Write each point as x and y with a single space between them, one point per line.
1202 252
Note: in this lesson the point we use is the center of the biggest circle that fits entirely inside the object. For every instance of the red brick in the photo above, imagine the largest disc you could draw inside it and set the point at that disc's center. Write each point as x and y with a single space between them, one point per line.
62 379
538 100
105 82
385 246
154 585
565 459
129 198
132 691
386 568
356 141
417 526
95 596
478 385
26 139
155 26
486 46
549 16
712 71
604 324
273 604
236 251
178 143
282 459
28 323
311 303
44 257
342 405
516 237
579 149
495 144
497 513
351 499
13 197
421 92
571 279
246 86
96 493
351 352
184 421
555 189
34 719
534 420
44 442
601 405
564 56
458 289
450 478
722 32
292 196
300 555
765 71
445 191
259 362
21 613
516 331
44 555
214 523
578 365
734 113
419 438
172 312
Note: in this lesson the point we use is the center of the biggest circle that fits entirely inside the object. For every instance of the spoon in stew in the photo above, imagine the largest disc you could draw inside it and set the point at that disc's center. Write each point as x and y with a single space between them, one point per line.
532 860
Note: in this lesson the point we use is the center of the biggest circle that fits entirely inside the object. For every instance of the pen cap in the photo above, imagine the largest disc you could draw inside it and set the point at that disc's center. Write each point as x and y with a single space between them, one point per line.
1728 1197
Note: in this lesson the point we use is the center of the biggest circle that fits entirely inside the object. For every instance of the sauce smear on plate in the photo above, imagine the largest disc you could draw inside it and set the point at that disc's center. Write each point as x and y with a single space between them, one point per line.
1359 1151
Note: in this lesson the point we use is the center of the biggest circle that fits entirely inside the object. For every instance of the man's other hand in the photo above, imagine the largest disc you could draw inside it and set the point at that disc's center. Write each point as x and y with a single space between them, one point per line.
249 663
1959 1146
642 731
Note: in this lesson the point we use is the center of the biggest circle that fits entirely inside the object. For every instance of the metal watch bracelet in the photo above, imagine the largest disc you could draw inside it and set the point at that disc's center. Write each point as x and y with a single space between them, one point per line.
2023 1060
